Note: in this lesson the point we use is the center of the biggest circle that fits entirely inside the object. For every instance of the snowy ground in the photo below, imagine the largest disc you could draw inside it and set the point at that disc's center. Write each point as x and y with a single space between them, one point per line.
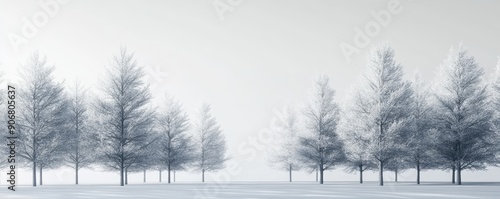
260 190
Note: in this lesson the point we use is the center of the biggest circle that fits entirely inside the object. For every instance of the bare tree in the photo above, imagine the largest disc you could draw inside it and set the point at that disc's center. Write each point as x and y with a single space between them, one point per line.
356 142
42 112
421 135
321 147
144 159
464 117
397 164
175 145
283 154
210 143
82 139
381 105
127 120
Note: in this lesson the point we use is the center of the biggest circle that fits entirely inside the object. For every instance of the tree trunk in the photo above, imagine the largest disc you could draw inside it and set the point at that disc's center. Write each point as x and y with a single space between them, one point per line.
418 173
76 173
316 175
77 150
168 169
41 180
159 174
321 174
126 175
144 175
122 174
396 175
459 174
290 170
360 174
203 175
381 173
380 162
453 174
34 173
174 175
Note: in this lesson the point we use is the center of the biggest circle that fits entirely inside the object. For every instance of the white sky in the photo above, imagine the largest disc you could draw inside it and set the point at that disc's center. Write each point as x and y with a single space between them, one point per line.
263 55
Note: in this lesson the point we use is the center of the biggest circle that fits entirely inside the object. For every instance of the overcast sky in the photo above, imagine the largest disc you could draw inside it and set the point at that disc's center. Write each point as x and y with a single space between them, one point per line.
248 60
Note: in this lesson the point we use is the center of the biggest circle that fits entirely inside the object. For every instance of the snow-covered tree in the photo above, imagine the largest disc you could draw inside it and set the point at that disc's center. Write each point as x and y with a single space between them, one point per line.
210 143
82 140
421 138
283 153
145 159
321 146
463 116
356 141
126 130
42 115
175 145
381 106
397 164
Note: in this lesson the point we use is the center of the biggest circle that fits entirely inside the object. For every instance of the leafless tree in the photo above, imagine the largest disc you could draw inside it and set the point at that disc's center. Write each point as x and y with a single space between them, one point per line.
321 146
283 153
420 150
356 142
175 145
42 111
82 140
127 119
464 118
381 106
210 143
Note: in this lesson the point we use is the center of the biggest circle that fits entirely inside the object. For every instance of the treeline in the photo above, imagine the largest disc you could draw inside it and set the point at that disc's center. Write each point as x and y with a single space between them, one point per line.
114 127
393 124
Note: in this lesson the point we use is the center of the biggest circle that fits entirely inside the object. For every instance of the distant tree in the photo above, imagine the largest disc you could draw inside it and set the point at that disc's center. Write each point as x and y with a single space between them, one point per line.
463 116
175 145
283 153
144 160
82 140
42 114
210 143
356 142
381 106
321 146
126 117
421 135
397 165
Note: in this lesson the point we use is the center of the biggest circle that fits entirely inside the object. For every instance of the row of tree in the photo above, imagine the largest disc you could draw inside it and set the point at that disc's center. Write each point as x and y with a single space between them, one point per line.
389 123
115 128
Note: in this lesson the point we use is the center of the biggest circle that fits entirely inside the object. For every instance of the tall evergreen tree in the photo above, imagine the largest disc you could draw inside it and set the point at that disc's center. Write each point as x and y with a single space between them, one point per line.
321 146
210 143
463 116
176 149
126 132
42 116
283 154
382 106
